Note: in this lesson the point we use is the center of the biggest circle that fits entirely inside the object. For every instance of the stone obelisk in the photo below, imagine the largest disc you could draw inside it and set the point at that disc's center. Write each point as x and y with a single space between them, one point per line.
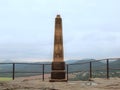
58 64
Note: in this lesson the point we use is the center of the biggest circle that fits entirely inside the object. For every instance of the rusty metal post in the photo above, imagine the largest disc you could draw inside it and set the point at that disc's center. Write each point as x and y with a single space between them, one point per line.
90 70
107 68
67 72
43 72
13 76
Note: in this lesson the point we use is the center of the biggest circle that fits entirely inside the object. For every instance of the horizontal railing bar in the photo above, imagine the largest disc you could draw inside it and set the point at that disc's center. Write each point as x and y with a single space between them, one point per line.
108 59
24 72
27 63
6 63
97 60
6 72
21 72
28 72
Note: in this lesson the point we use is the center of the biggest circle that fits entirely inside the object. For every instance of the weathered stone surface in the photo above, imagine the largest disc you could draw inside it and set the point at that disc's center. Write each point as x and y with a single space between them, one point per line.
58 75
58 64
58 41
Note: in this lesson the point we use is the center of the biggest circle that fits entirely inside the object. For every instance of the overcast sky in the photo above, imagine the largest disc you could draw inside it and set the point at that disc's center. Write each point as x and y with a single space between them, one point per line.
91 29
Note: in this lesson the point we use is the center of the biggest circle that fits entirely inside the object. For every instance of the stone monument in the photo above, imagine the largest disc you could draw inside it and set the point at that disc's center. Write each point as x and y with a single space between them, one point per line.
58 64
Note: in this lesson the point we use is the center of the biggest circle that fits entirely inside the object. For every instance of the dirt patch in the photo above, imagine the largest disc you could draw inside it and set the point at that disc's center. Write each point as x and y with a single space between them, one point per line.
35 83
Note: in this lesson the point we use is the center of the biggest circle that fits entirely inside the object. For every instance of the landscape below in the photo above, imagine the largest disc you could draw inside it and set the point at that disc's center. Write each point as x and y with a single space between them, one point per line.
77 70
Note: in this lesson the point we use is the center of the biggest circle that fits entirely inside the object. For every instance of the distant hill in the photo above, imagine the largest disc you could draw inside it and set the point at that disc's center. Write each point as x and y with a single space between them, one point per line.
71 61
6 61
115 64
84 60
84 65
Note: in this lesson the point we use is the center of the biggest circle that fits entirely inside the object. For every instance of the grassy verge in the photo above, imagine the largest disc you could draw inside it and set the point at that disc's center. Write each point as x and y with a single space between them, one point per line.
5 79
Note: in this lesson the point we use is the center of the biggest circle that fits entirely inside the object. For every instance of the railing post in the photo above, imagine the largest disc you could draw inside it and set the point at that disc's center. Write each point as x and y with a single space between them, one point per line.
107 68
13 76
43 73
67 72
90 70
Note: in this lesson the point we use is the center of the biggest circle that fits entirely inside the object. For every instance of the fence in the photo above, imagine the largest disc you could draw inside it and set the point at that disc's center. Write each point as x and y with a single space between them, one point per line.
75 71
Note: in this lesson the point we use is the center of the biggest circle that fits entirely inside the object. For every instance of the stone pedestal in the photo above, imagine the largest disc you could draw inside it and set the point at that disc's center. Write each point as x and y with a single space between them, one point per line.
58 73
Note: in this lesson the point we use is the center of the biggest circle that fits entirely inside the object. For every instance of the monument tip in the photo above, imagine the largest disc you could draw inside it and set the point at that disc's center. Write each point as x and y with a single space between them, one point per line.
58 16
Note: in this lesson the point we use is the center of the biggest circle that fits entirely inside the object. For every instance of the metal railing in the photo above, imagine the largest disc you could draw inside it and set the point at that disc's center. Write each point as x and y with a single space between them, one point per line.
90 68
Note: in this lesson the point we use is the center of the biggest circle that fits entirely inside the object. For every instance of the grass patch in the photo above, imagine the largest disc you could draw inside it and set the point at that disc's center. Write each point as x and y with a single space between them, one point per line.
5 79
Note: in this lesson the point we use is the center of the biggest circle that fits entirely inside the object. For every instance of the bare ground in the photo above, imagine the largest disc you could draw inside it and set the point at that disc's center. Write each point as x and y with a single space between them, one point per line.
35 83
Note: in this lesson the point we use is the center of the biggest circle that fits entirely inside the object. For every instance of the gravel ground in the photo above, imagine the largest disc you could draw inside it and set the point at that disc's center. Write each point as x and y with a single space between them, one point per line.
35 83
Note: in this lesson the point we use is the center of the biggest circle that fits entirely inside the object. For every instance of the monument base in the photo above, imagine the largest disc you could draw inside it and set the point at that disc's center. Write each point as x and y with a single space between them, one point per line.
58 80
58 73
